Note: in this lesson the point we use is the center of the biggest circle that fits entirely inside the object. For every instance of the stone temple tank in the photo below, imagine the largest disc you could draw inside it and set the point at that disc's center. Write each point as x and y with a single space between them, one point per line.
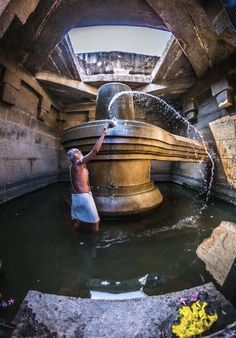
120 173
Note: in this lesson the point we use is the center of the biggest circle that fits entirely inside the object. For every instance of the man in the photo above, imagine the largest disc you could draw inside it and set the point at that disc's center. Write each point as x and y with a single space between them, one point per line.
83 209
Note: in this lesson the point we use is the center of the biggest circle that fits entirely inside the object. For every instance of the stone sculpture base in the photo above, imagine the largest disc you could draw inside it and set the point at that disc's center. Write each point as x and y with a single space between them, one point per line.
44 315
115 206
120 172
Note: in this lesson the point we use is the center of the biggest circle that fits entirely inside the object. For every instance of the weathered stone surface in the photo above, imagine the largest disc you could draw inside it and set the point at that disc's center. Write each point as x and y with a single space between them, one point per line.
12 79
8 94
228 332
19 8
219 251
161 171
62 60
74 119
192 116
4 109
44 315
189 106
18 116
224 132
29 148
119 62
27 100
225 98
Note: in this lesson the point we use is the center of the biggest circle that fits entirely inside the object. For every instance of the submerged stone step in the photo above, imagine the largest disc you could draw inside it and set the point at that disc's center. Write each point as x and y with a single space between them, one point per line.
46 315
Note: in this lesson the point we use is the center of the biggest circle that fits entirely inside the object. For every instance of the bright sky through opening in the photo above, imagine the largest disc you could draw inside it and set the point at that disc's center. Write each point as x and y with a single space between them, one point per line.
140 40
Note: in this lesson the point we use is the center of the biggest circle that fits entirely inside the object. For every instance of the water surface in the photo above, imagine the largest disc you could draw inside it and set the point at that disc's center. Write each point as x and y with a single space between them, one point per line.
154 252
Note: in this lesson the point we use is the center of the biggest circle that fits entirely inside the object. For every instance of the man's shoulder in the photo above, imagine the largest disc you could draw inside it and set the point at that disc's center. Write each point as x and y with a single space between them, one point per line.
79 162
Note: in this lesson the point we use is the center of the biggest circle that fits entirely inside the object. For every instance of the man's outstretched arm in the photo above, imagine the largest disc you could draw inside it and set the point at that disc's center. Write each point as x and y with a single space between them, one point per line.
95 149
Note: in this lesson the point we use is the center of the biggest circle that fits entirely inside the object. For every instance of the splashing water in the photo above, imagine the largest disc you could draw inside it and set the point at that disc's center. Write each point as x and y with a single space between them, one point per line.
169 109
120 237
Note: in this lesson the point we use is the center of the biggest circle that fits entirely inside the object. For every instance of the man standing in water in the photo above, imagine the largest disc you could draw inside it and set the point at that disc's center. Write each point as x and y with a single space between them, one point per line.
83 209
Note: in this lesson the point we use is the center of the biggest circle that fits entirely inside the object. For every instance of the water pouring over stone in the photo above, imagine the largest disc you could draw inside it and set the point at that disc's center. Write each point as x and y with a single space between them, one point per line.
120 173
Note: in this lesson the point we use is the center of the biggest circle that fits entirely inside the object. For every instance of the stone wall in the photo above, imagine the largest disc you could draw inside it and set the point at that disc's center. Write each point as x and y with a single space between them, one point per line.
224 133
29 134
216 124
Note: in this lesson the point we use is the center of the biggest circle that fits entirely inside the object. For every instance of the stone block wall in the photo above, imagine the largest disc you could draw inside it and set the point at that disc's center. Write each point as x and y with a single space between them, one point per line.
217 126
29 134
224 133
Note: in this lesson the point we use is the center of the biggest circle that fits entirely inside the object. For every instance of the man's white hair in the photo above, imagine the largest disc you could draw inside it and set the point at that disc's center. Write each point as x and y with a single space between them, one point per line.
71 154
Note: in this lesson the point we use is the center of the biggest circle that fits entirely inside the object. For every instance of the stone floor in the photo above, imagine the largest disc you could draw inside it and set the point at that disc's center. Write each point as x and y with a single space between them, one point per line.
45 315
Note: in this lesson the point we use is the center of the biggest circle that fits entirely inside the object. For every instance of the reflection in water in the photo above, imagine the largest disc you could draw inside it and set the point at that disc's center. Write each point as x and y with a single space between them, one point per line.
124 295
152 253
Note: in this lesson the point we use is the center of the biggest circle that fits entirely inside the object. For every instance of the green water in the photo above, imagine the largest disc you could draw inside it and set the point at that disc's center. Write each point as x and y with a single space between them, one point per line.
155 251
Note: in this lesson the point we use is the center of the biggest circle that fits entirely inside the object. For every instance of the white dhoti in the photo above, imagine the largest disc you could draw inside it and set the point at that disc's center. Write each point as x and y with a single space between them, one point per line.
83 208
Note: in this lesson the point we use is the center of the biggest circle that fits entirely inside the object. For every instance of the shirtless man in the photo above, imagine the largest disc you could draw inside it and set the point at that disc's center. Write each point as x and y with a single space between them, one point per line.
83 209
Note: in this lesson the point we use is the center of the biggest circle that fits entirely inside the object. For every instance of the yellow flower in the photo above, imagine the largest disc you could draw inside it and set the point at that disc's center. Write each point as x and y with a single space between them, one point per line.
194 320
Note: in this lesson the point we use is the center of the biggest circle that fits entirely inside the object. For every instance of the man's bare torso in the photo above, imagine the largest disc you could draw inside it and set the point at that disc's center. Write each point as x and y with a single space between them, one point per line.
80 178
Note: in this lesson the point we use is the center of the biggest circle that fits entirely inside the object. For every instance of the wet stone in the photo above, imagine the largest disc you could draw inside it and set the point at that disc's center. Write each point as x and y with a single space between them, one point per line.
45 315
218 251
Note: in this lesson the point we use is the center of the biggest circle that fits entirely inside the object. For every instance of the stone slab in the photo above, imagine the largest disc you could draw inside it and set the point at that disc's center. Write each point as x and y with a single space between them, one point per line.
45 315
219 251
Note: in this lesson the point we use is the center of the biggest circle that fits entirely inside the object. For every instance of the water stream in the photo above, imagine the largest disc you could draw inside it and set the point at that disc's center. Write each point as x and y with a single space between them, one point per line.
169 110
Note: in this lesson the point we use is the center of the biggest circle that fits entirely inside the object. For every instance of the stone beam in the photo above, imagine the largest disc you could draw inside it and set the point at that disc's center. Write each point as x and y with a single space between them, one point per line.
167 87
46 77
79 107
63 60
163 57
152 88
116 77
191 27
173 64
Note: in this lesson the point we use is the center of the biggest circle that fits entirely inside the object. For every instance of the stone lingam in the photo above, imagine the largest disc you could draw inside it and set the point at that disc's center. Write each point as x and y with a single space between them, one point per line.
120 173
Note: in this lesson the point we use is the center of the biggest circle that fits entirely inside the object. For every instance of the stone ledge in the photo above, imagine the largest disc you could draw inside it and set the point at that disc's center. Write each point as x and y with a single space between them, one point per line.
45 315
16 189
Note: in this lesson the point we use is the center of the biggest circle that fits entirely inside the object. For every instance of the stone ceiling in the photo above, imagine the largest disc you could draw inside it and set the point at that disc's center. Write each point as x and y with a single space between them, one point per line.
34 33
